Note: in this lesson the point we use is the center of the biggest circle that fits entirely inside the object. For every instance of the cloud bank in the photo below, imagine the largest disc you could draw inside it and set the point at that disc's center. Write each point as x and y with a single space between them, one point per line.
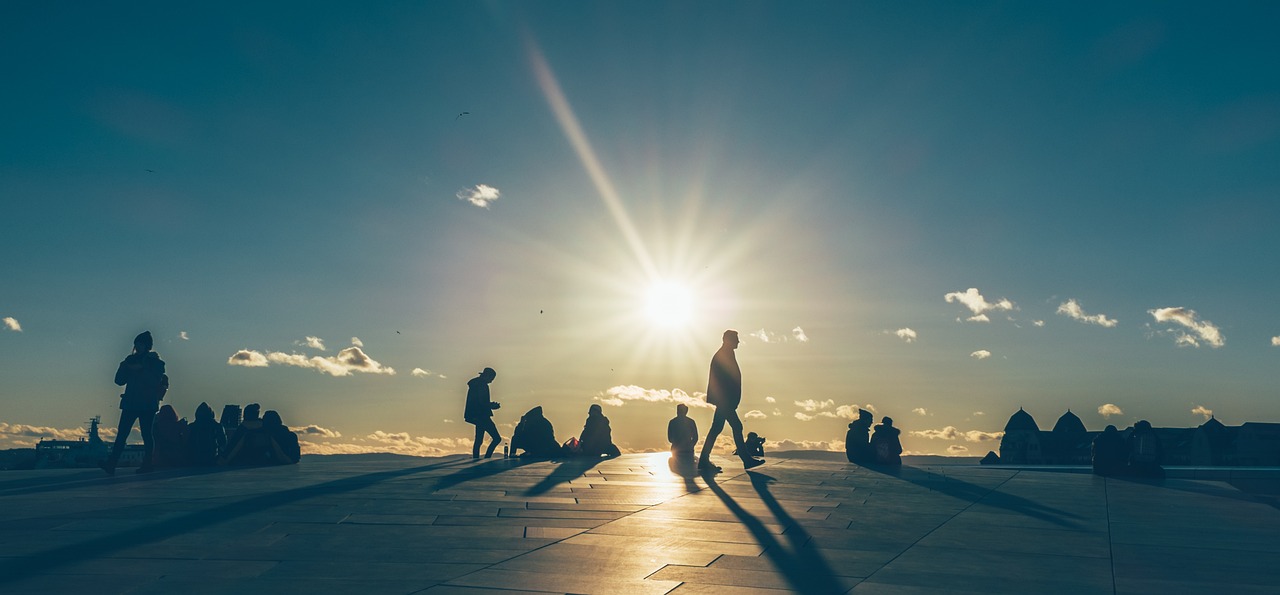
951 433
482 195
1201 330
1072 309
349 360
617 396
797 334
977 304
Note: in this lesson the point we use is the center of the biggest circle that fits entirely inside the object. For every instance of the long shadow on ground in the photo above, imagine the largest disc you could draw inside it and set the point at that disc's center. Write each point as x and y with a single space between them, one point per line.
804 569
20 567
568 470
973 493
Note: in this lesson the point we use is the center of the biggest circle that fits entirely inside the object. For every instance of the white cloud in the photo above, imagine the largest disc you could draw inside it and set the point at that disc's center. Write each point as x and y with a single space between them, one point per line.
183 335
1275 341
616 396
828 445
1203 329
980 354
11 323
979 413
811 405
799 335
312 342
755 414
906 334
482 195
390 442
248 358
1038 322
357 342
420 373
803 417
314 430
1202 410
1109 409
1071 308
349 360
770 400
977 304
920 411
951 433
956 449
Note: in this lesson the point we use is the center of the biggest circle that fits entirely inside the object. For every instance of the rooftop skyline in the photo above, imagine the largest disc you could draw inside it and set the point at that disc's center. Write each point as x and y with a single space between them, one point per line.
344 212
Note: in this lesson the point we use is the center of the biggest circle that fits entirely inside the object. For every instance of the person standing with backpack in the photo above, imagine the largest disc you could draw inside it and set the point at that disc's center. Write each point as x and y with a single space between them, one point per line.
145 384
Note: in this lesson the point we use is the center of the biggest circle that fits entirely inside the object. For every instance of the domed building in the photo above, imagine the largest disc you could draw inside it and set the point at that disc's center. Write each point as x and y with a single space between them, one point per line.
1069 443
1021 443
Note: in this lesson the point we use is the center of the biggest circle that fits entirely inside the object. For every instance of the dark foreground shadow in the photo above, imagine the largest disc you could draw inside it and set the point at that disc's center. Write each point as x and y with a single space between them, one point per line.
963 490
566 471
804 569
687 469
96 477
21 567
486 469
1261 491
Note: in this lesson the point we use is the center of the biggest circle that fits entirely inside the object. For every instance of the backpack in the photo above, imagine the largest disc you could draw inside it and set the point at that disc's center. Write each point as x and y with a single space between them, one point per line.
572 446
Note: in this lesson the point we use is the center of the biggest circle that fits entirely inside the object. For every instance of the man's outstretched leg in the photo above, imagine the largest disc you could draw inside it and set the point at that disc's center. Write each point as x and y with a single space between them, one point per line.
717 425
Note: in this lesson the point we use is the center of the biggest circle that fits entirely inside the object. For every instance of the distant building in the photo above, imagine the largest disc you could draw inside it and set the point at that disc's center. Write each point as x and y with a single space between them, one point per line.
1252 444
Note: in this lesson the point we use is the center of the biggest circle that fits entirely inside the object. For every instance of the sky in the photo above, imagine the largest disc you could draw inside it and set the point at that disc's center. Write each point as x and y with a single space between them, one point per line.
938 211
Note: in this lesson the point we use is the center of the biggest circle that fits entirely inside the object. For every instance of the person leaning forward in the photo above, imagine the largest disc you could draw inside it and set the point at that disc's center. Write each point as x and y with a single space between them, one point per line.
724 392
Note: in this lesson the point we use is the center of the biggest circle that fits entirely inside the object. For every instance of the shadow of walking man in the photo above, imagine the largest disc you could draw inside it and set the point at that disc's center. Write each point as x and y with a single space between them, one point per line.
802 567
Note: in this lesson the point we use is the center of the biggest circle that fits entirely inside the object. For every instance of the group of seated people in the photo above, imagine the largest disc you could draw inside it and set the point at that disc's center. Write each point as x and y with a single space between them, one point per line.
535 436
204 442
1138 455
883 448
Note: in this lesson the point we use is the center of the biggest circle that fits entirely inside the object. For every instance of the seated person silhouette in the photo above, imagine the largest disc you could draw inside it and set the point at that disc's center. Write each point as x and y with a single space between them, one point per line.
1145 451
250 443
597 437
230 419
856 446
284 443
682 433
753 446
885 443
535 436
1109 453
169 434
205 438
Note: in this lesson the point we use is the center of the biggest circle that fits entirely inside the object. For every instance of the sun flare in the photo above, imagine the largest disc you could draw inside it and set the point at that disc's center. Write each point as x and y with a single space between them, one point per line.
669 305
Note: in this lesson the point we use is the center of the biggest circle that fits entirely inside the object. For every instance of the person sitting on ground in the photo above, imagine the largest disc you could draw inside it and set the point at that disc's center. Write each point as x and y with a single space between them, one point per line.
753 446
284 443
535 436
230 419
1145 451
682 432
597 437
169 434
856 446
250 444
205 438
885 443
1109 453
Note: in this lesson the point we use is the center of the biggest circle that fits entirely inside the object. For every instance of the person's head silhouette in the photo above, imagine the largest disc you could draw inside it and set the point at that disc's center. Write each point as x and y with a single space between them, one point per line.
595 409
865 415
143 342
488 374
251 411
888 421
682 410
271 419
731 339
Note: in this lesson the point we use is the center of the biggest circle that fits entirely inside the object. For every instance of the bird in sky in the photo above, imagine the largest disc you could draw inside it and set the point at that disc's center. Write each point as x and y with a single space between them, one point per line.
455 118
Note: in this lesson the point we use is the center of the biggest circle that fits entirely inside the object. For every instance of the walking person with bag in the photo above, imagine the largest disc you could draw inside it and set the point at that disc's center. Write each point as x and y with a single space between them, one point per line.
145 384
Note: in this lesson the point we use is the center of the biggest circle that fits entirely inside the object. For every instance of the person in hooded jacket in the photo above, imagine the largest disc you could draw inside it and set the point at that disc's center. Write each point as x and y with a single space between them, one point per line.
535 436
284 443
170 435
1145 451
885 443
856 447
479 412
205 438
597 436
249 445
1109 453
144 380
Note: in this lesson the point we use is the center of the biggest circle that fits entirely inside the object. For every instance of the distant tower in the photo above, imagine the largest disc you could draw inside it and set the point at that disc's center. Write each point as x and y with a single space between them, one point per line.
1021 444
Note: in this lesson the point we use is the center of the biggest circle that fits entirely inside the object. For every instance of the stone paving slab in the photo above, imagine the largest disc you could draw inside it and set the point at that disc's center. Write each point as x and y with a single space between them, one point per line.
634 524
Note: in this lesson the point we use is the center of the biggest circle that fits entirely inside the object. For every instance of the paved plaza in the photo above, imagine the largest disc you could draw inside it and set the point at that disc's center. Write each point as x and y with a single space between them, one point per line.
635 524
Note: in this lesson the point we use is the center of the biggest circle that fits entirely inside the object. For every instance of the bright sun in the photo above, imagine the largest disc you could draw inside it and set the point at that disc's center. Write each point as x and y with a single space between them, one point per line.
668 304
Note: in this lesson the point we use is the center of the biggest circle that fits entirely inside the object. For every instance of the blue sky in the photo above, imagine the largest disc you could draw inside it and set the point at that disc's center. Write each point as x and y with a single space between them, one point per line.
238 178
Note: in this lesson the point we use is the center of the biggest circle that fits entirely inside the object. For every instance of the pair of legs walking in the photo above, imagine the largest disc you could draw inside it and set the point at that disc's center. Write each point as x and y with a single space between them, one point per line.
730 416
127 417
486 426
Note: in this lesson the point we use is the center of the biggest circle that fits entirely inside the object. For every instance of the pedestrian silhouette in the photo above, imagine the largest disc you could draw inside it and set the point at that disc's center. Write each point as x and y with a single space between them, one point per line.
169 435
479 412
1145 451
724 392
885 443
856 446
205 438
535 436
1109 453
682 433
145 383
597 437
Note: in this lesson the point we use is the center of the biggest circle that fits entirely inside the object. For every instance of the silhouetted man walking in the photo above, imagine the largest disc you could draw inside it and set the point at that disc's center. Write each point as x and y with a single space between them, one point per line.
724 391
479 411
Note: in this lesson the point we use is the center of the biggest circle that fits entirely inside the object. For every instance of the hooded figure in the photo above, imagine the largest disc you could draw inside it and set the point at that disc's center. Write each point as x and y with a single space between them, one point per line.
1109 453
145 383
170 435
856 447
597 437
682 432
479 412
284 443
535 435
885 443
205 438
1145 451
250 445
